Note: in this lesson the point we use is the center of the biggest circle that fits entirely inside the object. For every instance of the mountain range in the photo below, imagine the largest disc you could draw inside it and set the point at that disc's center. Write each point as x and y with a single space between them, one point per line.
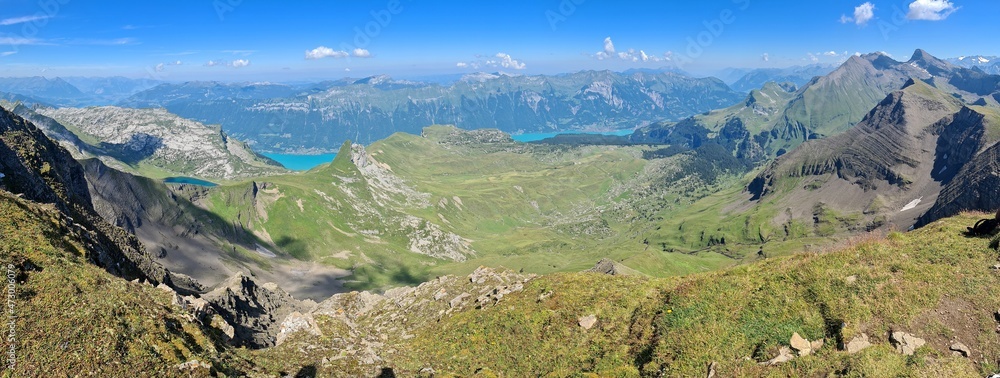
275 117
388 260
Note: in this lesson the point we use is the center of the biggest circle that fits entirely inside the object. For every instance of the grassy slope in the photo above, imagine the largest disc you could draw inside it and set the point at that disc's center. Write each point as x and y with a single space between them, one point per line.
933 283
578 220
75 318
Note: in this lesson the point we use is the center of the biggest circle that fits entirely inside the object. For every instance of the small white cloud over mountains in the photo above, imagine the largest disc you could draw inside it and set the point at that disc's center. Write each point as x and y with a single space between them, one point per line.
931 10
325 52
507 62
609 50
631 55
361 53
499 60
238 63
163 66
862 14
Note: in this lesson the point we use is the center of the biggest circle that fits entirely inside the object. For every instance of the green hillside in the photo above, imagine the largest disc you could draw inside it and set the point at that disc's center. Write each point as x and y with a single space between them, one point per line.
412 207
934 284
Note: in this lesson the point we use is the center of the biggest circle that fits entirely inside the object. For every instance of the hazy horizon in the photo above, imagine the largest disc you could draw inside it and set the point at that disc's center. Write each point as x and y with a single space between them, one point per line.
236 41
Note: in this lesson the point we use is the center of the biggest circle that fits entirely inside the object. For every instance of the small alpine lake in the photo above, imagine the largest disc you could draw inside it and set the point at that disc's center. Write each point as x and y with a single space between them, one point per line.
534 137
301 162
189 180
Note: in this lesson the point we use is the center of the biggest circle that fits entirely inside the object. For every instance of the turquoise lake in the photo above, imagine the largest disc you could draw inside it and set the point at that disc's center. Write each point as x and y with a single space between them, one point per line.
539 136
188 180
301 162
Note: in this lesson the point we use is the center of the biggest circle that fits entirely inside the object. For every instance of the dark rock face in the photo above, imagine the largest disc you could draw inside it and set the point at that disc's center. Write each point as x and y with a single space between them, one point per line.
975 187
605 266
255 311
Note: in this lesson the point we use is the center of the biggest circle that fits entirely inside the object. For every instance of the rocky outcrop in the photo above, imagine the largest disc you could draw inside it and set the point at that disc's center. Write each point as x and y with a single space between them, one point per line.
975 187
256 312
905 343
371 322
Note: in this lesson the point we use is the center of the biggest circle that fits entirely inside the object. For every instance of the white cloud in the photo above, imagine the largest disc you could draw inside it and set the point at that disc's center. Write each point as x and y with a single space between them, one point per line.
18 41
212 63
461 64
609 49
347 70
163 66
507 62
931 10
630 55
239 52
8 53
239 63
864 13
361 53
830 53
325 52
766 57
812 57
23 19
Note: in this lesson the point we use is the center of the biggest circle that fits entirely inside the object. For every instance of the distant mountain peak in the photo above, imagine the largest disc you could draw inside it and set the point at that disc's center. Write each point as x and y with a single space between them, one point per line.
930 63
374 80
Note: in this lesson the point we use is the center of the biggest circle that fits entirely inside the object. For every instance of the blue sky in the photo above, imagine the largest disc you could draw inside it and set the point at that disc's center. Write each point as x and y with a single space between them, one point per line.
248 40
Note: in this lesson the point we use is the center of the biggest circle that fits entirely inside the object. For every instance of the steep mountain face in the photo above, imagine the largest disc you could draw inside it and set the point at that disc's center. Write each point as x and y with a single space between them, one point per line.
152 141
890 168
832 104
322 116
971 137
796 75
184 237
42 171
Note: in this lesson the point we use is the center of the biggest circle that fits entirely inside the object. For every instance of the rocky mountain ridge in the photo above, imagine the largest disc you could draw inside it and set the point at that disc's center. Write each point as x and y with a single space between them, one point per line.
322 116
143 140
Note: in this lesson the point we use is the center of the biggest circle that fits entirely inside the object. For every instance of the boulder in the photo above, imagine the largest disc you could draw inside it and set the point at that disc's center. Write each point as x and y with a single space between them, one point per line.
587 322
816 345
195 366
784 355
297 322
800 344
905 343
857 344
960 349
457 301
